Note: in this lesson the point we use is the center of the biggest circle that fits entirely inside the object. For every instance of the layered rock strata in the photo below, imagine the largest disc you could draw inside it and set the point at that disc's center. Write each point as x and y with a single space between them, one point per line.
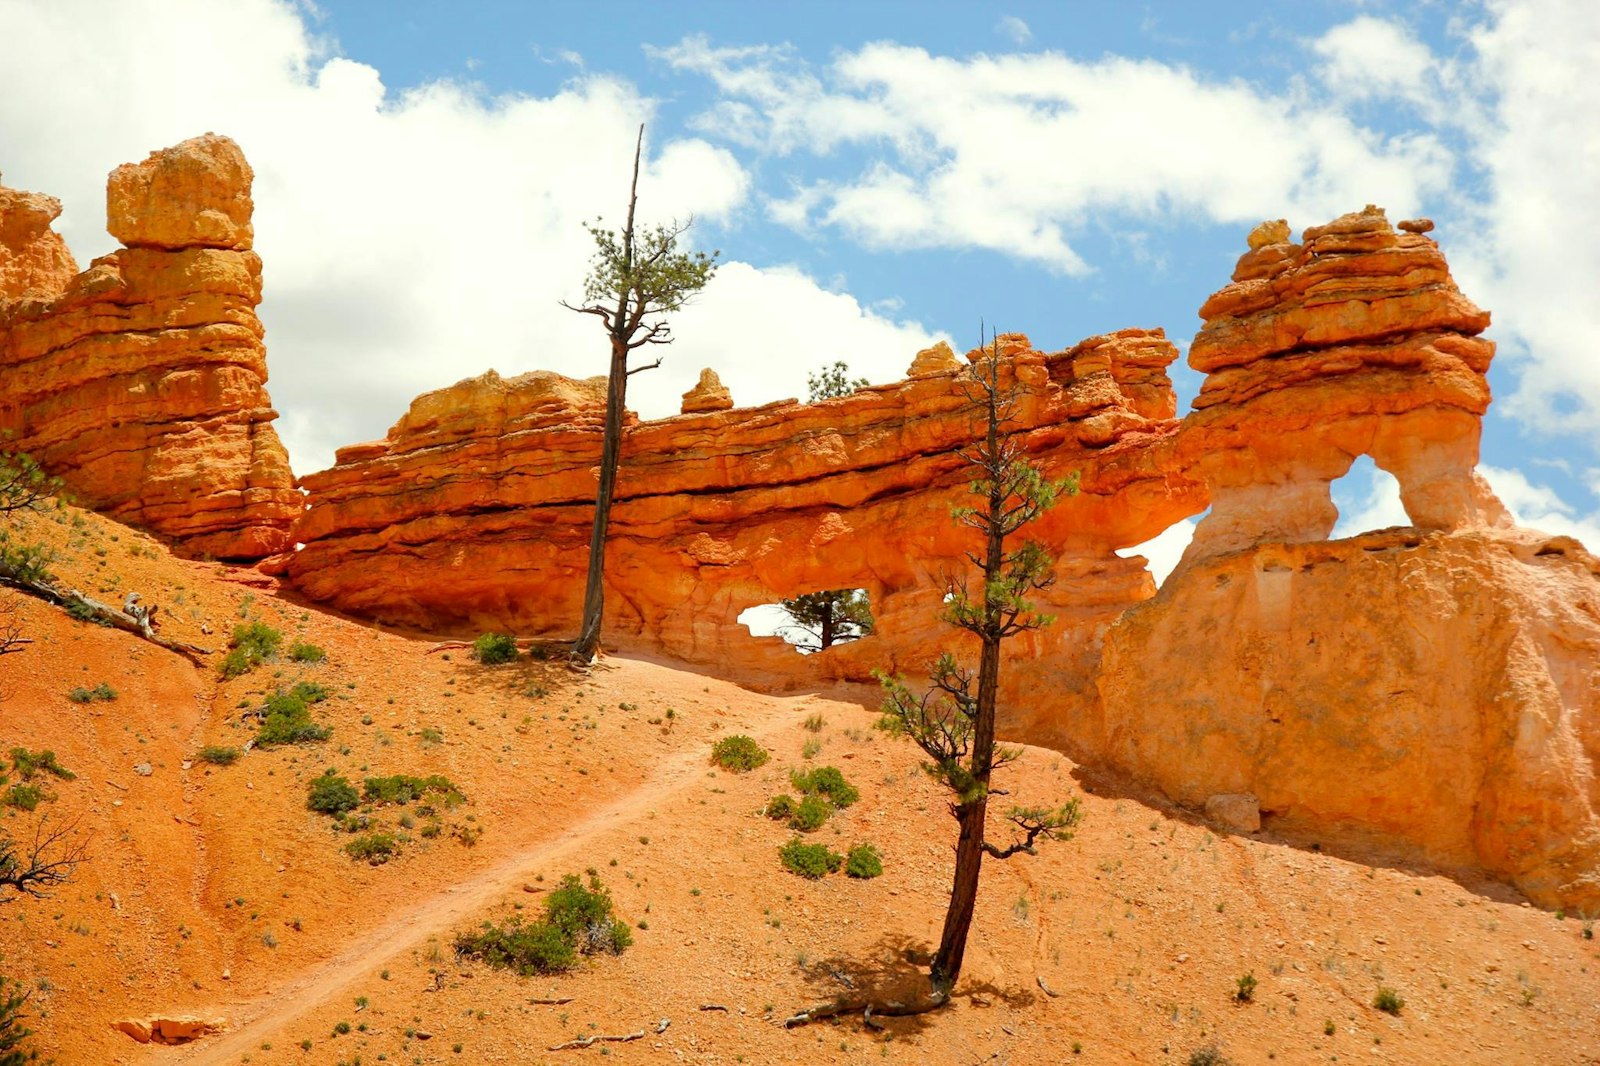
1353 342
141 381
474 512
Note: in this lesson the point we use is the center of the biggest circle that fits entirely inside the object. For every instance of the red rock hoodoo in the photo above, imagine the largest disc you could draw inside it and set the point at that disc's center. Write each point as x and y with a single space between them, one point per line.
141 381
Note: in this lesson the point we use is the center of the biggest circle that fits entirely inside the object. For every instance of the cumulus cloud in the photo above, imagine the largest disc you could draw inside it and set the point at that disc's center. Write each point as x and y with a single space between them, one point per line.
410 238
1016 153
1542 508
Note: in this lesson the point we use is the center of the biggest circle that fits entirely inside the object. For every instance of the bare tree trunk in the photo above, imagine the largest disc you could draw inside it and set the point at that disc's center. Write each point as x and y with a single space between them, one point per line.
827 637
610 452
588 642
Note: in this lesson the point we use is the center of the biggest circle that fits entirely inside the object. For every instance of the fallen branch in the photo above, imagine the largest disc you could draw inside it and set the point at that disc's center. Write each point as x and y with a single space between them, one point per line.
619 1038
523 643
891 1009
1052 993
100 612
714 1006
556 1002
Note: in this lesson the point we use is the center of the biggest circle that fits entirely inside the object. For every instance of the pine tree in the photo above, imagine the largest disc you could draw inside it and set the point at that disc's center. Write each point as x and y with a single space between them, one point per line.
954 721
634 278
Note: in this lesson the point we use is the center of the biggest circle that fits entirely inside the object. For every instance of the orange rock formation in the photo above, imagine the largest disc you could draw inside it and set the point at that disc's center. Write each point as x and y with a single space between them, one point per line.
709 394
475 509
1423 690
141 380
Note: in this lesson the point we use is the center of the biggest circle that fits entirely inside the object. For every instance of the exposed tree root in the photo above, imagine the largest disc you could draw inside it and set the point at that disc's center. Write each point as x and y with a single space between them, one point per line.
619 1038
101 612
889 1009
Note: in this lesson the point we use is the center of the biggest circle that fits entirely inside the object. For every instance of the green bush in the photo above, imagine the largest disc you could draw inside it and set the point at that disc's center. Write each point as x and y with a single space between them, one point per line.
529 948
102 691
217 755
286 716
577 919
307 653
1247 988
864 862
491 649
583 915
253 644
332 794
28 763
402 789
780 808
375 848
810 815
13 1034
825 781
24 797
1209 1055
809 860
738 753
1388 1000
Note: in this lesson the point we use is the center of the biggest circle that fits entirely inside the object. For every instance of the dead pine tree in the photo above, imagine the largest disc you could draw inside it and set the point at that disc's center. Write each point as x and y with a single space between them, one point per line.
634 278
953 722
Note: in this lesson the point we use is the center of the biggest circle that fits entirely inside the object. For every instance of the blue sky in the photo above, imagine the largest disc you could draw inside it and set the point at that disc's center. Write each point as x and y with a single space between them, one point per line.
875 174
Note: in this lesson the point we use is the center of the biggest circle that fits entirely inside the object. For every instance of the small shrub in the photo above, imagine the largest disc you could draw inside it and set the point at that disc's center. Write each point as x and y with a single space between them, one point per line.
375 848
429 737
779 808
403 789
28 763
810 815
307 653
13 1034
738 753
102 691
491 649
24 797
825 781
1246 990
863 862
286 716
809 860
528 948
1388 1000
583 916
253 644
218 755
1208 1056
577 919
332 794
815 722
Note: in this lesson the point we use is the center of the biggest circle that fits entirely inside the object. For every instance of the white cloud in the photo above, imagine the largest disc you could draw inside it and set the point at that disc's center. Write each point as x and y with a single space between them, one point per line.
1372 57
410 239
1542 508
1016 153
1013 29
1535 262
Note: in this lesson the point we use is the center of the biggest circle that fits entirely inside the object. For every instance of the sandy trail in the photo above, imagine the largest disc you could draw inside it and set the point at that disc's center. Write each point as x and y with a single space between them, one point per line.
447 909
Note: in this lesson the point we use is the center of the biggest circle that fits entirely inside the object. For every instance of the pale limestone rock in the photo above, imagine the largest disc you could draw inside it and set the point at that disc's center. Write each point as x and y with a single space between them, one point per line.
709 394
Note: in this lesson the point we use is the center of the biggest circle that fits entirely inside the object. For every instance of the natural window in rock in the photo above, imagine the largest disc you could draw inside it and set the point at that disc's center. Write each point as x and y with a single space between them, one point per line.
1367 499
815 620
1162 551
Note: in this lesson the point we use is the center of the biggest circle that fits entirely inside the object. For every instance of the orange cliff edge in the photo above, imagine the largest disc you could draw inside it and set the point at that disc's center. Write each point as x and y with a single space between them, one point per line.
141 381
1429 690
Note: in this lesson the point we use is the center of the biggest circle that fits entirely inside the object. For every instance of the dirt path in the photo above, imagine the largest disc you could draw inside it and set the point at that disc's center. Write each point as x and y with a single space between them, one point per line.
447 909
